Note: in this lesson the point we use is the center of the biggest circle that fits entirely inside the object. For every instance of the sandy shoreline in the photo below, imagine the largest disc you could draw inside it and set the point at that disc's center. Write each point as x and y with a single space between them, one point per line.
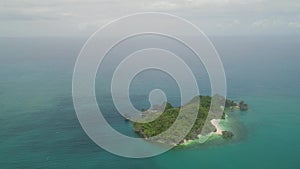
219 129
216 123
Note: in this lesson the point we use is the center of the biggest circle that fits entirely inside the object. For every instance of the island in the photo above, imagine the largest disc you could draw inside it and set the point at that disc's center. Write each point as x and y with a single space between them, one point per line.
168 115
243 106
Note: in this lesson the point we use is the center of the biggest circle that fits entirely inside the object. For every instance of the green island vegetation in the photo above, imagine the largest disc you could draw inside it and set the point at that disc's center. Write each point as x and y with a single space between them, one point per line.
243 106
168 115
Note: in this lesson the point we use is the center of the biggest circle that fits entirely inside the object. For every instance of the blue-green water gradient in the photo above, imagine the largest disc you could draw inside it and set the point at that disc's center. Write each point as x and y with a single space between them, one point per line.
39 128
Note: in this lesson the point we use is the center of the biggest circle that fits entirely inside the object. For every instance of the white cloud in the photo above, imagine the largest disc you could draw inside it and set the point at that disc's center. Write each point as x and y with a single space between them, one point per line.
229 24
267 23
162 5
294 24
87 15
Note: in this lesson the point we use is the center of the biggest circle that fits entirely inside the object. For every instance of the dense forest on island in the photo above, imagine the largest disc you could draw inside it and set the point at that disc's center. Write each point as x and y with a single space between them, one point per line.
168 115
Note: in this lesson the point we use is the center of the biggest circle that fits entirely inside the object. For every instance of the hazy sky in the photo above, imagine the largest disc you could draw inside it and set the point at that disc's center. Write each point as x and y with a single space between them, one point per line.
83 17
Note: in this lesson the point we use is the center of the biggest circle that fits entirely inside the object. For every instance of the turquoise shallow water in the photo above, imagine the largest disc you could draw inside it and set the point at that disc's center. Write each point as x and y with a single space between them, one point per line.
39 128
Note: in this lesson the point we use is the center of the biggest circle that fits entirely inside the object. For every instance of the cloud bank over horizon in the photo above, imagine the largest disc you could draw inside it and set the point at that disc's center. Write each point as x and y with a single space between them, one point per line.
215 17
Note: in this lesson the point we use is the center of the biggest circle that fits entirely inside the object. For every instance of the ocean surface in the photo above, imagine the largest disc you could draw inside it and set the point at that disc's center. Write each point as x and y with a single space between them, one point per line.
39 127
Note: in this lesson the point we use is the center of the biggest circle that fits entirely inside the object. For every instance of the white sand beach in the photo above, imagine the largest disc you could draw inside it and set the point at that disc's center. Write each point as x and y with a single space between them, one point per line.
216 123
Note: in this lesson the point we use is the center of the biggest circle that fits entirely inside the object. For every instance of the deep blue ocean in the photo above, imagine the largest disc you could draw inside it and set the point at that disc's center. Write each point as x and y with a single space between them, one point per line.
39 127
